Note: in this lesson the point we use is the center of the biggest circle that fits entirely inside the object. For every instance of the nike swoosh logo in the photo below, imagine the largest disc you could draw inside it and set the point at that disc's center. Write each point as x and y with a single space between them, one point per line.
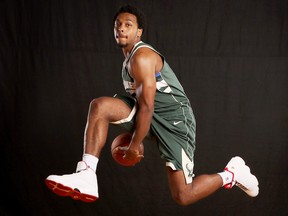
176 123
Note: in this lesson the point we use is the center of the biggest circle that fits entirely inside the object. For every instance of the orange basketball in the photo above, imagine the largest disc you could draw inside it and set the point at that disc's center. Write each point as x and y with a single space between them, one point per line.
121 141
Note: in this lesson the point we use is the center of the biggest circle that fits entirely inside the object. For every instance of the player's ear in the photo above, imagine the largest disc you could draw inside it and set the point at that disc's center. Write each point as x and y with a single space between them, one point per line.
139 33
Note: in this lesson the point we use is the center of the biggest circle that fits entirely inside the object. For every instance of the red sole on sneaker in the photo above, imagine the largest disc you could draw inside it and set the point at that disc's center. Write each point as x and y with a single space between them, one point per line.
62 190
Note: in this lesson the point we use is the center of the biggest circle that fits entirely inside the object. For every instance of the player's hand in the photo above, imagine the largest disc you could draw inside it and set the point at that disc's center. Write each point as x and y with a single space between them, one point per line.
130 154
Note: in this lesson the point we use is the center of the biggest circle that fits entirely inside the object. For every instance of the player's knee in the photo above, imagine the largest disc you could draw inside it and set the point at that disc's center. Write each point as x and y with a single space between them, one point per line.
97 105
93 105
180 197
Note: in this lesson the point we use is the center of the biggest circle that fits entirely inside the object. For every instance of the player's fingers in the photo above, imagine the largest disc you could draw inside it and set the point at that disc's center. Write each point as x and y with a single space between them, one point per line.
140 156
125 148
130 155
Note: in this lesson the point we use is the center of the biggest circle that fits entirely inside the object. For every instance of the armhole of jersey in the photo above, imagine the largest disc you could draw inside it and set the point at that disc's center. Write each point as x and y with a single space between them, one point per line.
147 46
143 45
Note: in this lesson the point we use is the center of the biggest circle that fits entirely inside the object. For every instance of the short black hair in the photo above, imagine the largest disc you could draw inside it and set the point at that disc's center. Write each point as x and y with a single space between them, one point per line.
141 19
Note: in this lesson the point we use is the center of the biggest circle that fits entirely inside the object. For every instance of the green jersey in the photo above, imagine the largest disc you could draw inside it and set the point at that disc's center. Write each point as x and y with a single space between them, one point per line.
173 121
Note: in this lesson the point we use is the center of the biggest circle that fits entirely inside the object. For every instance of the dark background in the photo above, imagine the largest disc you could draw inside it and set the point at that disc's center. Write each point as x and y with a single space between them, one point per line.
57 55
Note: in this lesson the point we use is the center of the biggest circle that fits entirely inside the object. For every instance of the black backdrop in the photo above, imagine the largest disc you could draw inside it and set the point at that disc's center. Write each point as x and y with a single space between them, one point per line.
57 55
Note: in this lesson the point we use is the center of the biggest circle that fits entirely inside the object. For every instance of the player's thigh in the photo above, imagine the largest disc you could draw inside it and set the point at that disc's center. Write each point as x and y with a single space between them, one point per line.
111 108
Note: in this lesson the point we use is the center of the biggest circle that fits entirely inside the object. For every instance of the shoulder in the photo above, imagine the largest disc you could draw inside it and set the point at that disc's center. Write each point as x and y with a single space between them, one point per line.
144 55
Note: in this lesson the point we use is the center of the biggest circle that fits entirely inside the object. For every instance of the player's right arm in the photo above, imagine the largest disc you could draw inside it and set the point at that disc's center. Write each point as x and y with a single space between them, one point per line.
142 69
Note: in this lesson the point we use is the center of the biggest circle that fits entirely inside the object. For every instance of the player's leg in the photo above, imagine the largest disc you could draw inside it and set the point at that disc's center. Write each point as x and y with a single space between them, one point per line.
201 187
102 111
236 173
83 184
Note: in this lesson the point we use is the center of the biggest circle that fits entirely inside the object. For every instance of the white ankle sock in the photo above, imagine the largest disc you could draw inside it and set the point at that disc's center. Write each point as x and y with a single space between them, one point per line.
91 161
227 177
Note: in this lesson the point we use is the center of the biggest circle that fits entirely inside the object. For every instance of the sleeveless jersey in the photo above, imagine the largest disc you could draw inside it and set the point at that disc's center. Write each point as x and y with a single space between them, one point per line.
173 122
169 94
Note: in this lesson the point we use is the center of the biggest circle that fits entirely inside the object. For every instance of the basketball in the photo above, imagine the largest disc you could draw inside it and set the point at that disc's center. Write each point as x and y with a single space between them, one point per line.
123 140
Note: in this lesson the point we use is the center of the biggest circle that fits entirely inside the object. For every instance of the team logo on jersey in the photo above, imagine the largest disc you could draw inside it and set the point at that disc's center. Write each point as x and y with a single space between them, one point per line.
189 167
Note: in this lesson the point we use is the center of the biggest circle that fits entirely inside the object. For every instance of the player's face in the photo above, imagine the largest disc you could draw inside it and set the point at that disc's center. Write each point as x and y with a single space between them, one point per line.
126 30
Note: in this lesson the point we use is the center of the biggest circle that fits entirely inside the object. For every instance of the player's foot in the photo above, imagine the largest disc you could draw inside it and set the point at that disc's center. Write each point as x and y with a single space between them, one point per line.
242 177
81 185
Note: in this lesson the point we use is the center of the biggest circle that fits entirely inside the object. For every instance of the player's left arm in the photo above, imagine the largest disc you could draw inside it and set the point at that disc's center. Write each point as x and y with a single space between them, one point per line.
142 69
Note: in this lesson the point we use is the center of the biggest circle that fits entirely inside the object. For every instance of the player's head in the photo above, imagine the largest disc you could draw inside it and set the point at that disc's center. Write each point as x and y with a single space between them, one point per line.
129 24
141 20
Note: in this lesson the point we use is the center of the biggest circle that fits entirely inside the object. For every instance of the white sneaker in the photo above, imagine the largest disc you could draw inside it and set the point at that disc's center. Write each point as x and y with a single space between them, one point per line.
242 177
81 185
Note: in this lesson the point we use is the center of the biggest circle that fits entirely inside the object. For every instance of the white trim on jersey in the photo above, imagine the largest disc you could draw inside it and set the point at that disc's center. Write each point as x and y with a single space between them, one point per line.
129 118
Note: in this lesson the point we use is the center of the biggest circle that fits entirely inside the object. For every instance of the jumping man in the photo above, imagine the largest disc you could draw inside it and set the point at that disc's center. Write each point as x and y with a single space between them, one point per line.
156 106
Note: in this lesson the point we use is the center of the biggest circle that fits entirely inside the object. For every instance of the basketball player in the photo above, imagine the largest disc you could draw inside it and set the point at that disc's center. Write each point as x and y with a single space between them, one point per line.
156 106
